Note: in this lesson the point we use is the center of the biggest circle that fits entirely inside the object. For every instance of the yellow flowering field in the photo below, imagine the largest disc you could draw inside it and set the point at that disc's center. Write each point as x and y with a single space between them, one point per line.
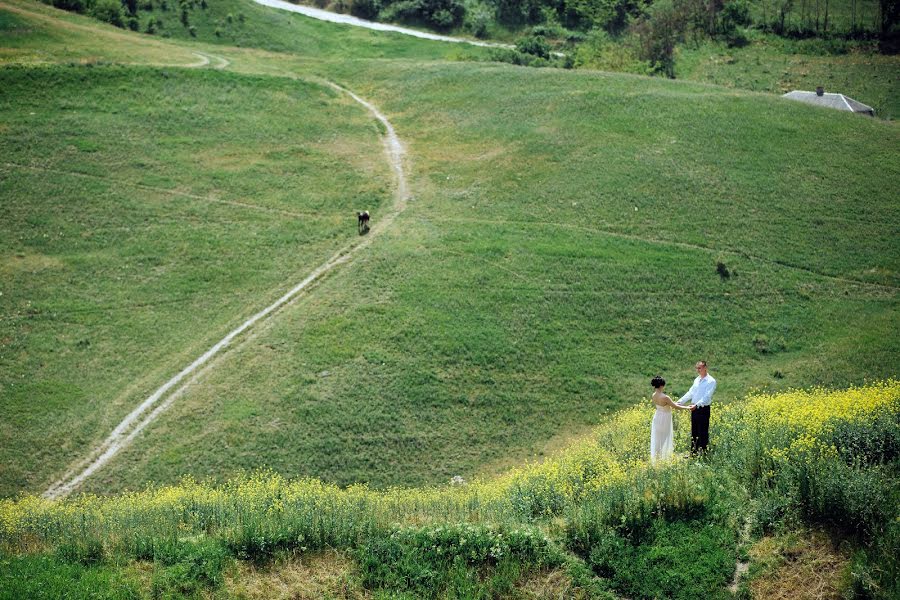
754 433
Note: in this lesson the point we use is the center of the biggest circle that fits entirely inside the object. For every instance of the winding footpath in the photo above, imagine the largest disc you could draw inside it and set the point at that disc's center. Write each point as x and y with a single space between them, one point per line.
161 399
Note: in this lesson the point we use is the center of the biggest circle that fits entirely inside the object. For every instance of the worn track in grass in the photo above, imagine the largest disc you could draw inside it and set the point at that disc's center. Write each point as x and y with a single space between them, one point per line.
155 404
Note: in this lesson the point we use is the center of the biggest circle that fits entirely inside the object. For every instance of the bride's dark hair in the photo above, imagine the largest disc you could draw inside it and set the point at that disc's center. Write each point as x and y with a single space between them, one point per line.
657 382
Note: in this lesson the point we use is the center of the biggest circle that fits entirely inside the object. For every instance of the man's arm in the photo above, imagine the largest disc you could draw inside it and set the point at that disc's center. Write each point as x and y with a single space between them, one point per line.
689 394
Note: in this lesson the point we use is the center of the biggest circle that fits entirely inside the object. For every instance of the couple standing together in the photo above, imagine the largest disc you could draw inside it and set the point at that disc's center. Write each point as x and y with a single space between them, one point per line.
662 443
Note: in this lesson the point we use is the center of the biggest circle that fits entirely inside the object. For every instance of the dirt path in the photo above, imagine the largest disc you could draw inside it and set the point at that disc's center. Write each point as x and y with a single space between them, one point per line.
154 405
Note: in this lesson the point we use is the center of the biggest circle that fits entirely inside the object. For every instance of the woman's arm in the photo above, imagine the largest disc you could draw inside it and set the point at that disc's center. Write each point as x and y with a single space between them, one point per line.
674 404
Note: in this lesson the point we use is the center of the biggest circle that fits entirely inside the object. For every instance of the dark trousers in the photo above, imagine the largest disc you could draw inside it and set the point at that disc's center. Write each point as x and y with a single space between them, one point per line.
699 429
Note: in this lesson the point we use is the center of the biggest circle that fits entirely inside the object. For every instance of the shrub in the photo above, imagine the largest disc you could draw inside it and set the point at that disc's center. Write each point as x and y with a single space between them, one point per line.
109 11
426 560
659 31
365 9
79 6
652 566
600 51
870 442
734 14
188 566
442 14
766 345
534 45
478 20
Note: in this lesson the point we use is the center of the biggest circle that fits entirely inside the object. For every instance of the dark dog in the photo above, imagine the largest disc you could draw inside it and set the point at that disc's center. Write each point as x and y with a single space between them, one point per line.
362 221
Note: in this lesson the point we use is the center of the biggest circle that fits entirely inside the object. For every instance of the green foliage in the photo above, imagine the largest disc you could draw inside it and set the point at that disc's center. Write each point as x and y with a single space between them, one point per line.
45 577
659 32
461 560
366 9
876 571
535 45
602 52
441 14
876 442
188 567
109 11
79 6
630 508
673 559
479 19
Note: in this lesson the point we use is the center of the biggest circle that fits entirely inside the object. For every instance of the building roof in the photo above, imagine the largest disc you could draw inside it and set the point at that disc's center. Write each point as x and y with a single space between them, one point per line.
836 101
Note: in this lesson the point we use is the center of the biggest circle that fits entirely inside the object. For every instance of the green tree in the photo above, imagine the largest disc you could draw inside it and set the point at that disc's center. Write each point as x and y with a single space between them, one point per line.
109 11
658 33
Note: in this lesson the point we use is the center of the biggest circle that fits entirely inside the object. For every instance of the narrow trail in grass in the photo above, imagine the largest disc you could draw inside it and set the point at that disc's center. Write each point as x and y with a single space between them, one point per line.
685 245
154 405
221 62
324 15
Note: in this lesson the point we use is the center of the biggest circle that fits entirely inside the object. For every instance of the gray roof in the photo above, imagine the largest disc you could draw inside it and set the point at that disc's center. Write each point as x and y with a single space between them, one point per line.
836 101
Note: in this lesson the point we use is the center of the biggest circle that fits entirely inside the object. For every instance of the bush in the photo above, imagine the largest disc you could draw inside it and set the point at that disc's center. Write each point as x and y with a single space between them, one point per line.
652 567
519 12
659 32
365 9
79 6
734 14
109 11
187 567
482 560
478 20
442 14
534 45
602 52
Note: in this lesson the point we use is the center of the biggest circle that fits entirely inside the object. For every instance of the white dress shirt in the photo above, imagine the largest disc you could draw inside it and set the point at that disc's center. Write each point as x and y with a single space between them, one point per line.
701 392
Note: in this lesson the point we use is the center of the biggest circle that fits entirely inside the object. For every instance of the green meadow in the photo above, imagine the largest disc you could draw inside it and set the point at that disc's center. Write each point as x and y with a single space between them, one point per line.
136 236
561 246
568 235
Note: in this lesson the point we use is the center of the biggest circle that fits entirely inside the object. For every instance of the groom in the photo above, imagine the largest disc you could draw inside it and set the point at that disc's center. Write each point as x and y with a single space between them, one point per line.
701 393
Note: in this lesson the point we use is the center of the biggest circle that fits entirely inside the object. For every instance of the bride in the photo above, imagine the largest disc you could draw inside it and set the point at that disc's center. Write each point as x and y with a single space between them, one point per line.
662 441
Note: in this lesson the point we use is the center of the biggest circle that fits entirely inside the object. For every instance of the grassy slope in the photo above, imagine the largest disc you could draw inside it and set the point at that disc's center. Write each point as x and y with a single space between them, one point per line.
773 65
522 293
112 278
520 296
283 31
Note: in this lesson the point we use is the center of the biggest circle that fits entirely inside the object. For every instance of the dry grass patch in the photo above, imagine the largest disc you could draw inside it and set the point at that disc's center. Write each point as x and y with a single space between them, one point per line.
798 566
298 577
548 585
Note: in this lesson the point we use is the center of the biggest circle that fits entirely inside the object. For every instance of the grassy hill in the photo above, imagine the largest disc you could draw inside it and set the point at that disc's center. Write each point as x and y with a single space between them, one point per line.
562 246
570 234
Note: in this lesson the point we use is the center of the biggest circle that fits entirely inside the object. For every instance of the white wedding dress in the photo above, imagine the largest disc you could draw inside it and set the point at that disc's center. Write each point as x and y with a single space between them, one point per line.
662 443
